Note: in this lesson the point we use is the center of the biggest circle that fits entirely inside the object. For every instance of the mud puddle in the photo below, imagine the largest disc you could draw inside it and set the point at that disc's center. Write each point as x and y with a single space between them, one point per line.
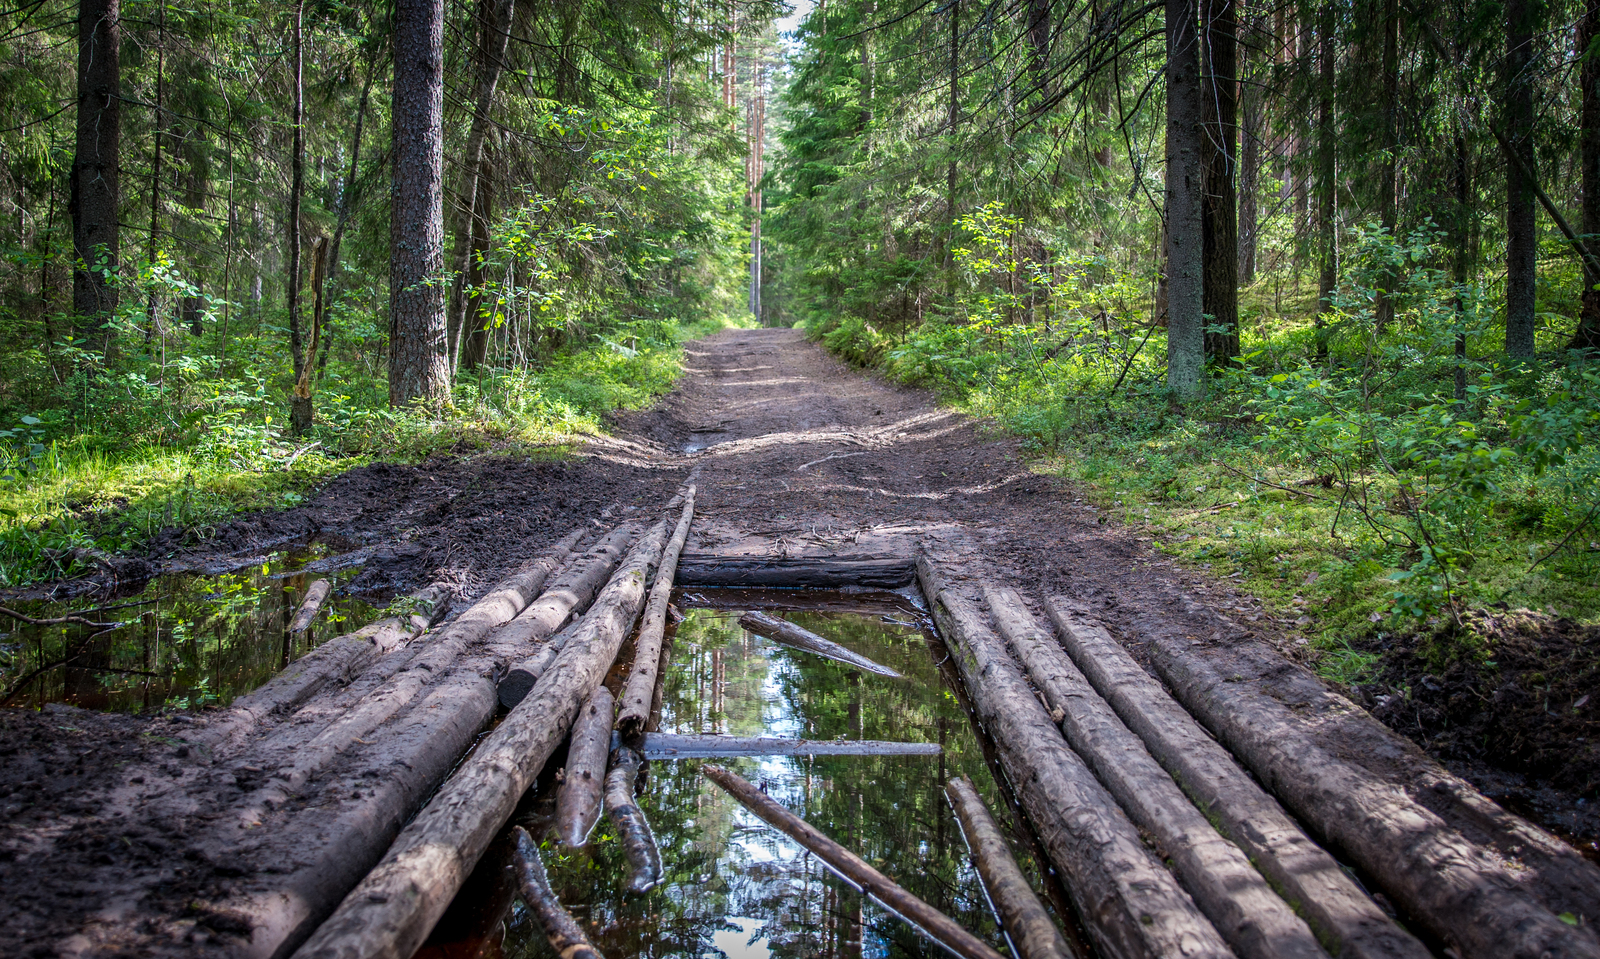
183 642
734 887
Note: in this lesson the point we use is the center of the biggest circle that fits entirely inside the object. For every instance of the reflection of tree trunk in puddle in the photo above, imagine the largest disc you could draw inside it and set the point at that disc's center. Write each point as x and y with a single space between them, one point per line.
147 636
82 679
286 614
853 927
718 673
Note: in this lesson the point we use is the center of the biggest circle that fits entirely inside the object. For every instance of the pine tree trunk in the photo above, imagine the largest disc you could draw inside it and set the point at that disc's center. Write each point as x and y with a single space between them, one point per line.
1219 214
1251 109
1389 161
1185 285
419 369
475 310
1521 236
94 191
1327 181
300 413
1587 336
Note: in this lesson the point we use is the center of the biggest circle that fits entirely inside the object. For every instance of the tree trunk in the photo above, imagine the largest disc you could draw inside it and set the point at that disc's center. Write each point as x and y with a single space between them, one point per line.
310 606
299 410
1185 184
1252 129
1335 907
787 633
565 935
1327 182
712 746
495 18
633 829
583 777
157 122
388 914
939 927
477 309
1131 906
1389 159
1587 336
1522 242
1222 880
1462 260
419 366
1022 915
1219 214
639 695
94 192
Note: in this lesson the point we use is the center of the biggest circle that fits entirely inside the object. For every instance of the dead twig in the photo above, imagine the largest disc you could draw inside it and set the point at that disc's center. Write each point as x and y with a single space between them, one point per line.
57 620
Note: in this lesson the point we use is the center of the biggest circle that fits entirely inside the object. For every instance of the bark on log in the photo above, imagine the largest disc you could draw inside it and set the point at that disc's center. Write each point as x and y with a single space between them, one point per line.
335 661
389 913
565 935
787 633
939 927
310 606
1130 905
673 746
1237 900
810 572
1022 915
568 596
578 798
633 829
1461 893
640 691
1341 914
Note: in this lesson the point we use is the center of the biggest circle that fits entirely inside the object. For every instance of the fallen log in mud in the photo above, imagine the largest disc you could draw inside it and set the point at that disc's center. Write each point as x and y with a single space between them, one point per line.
676 746
639 694
565 935
1464 894
1341 914
787 633
389 913
939 927
794 572
568 595
335 661
310 606
1217 874
583 779
633 829
1022 915
1130 905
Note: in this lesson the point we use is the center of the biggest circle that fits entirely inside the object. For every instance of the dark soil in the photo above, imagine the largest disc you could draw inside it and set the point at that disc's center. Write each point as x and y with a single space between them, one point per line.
1507 701
798 454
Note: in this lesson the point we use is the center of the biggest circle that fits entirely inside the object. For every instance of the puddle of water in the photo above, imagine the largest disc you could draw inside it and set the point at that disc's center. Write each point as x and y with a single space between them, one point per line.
186 642
736 888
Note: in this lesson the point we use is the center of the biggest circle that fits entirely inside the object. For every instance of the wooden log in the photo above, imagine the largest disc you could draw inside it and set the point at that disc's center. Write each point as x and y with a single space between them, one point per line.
938 927
1461 893
787 633
583 780
565 935
1342 915
569 595
1022 915
633 829
389 913
336 661
640 691
674 746
795 572
1130 905
1217 874
310 606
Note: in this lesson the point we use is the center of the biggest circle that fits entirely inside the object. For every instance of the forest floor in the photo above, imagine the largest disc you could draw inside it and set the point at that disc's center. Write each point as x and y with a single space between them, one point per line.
797 454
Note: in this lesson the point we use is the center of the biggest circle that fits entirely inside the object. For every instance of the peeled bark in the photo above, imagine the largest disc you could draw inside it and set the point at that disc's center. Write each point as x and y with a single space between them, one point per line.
389 913
1130 905
565 935
583 780
793 572
941 928
1462 894
316 595
1237 900
787 633
633 829
1340 913
674 746
639 695
1022 915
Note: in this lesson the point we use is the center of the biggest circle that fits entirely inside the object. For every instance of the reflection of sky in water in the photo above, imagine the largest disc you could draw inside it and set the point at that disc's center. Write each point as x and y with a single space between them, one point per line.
737 888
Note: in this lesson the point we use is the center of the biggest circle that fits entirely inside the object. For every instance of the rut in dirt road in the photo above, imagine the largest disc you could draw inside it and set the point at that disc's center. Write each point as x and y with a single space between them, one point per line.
220 833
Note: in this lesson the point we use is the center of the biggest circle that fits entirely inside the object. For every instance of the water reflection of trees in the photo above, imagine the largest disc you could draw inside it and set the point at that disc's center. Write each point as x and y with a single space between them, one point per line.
722 862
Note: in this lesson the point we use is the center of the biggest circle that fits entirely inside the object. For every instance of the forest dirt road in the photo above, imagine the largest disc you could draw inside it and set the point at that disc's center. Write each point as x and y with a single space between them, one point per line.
797 455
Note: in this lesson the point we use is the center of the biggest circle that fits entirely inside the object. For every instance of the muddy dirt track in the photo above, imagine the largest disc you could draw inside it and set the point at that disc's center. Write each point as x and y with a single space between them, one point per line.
797 456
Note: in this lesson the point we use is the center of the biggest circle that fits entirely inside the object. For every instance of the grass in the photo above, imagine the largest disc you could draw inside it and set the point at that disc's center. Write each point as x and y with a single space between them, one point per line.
63 499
